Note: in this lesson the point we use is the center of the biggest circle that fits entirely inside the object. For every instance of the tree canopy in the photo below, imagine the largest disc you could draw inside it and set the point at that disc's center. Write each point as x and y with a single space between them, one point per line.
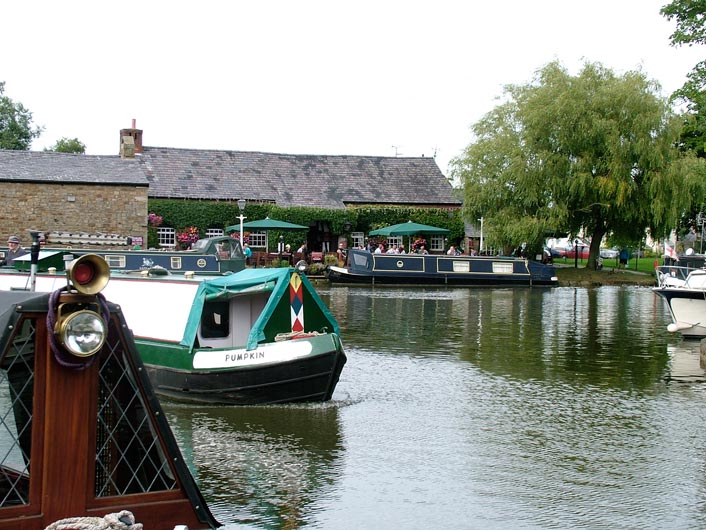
593 153
16 128
66 145
690 17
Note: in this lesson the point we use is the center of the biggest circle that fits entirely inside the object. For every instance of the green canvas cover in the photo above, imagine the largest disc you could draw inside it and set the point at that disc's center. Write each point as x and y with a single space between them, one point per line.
247 282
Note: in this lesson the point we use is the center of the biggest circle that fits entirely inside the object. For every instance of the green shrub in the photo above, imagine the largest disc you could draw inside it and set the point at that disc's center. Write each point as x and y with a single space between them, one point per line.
315 269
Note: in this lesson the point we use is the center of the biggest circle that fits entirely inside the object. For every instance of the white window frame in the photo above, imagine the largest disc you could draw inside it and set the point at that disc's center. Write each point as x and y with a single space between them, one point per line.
214 232
436 242
166 237
257 240
358 239
394 241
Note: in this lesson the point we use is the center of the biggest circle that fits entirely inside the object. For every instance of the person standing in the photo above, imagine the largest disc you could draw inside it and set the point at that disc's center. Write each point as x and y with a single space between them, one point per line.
624 255
15 251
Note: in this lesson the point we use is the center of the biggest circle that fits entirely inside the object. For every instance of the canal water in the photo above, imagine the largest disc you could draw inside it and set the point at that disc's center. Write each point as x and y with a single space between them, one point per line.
473 408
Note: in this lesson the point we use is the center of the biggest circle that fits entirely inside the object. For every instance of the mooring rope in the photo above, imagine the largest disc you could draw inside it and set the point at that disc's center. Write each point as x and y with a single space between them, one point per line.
62 357
123 520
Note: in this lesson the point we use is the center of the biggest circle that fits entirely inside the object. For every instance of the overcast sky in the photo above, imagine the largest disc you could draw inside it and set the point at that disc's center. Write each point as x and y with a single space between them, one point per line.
381 78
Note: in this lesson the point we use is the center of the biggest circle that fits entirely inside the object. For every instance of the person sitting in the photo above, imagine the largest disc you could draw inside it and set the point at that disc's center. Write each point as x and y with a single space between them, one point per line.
400 250
247 252
422 250
14 252
453 251
380 249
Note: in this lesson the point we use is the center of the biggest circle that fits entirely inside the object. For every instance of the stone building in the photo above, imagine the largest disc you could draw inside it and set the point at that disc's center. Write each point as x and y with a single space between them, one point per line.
109 194
71 193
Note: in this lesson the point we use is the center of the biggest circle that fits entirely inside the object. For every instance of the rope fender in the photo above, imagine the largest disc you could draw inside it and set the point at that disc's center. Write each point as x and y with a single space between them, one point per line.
123 520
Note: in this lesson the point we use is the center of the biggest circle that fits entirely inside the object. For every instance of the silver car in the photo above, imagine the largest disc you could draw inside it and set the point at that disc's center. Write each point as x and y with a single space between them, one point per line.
609 253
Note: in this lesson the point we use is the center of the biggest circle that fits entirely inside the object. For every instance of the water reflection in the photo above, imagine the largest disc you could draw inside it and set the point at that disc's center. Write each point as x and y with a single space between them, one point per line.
591 336
260 464
685 363
498 408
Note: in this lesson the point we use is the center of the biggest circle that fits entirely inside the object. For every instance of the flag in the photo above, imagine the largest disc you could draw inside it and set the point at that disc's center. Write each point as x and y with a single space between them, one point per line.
669 251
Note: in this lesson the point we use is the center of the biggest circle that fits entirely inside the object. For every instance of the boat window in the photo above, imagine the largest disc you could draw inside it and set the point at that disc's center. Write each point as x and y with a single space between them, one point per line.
362 259
115 261
129 456
175 262
16 398
462 266
502 267
215 320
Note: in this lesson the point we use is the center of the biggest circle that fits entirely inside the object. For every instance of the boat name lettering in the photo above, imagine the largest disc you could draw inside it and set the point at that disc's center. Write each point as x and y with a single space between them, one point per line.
245 356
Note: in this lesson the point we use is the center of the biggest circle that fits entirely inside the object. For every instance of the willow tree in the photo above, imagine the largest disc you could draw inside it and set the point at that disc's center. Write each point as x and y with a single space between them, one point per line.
16 127
593 153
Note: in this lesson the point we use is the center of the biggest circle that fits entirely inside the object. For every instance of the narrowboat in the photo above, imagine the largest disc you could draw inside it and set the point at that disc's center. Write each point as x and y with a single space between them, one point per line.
85 442
258 336
208 256
435 269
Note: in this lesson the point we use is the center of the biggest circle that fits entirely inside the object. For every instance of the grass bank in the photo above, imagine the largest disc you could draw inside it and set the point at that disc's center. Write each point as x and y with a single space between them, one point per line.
571 276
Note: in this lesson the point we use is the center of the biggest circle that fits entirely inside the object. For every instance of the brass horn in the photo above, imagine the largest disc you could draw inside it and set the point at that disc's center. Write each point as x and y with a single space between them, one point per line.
88 274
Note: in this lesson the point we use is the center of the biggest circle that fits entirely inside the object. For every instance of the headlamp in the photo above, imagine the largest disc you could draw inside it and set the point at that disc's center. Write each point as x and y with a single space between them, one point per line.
82 333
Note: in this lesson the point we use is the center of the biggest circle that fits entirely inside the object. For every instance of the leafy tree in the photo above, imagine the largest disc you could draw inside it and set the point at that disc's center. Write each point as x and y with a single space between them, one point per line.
16 130
690 17
593 153
66 145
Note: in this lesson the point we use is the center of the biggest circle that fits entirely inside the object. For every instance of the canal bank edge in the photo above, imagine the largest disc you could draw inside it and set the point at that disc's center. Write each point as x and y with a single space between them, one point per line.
582 277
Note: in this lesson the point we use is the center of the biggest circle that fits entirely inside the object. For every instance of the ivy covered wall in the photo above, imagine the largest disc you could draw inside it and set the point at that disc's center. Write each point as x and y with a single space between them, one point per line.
181 215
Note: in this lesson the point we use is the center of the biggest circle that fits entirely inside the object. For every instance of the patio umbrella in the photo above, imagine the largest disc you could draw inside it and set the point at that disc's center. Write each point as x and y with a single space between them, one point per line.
267 224
408 229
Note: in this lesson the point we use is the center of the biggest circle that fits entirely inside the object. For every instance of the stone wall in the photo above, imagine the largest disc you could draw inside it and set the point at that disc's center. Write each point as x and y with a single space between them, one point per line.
118 210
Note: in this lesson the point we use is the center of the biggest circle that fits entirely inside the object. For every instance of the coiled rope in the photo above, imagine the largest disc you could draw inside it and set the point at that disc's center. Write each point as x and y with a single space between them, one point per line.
123 520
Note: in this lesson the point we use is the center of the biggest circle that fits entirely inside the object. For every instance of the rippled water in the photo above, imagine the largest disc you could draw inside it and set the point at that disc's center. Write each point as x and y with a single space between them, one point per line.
463 408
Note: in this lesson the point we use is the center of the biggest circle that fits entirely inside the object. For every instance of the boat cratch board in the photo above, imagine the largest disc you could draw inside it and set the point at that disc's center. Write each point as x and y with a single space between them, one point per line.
84 435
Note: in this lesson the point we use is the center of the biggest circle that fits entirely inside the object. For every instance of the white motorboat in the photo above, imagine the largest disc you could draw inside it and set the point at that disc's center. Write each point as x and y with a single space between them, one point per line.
684 290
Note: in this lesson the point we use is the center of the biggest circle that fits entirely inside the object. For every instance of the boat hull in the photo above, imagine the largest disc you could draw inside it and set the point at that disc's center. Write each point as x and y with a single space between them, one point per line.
415 269
281 366
687 308
310 377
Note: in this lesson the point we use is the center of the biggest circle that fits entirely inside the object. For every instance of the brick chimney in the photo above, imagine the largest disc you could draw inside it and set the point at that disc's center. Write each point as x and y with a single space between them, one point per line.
130 142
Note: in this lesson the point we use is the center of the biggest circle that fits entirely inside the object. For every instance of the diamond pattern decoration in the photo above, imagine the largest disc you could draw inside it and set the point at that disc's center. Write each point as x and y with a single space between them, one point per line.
296 302
129 457
16 397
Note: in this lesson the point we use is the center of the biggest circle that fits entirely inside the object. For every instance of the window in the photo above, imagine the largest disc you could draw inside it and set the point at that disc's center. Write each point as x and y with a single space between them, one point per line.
214 232
257 240
436 243
358 239
394 241
166 237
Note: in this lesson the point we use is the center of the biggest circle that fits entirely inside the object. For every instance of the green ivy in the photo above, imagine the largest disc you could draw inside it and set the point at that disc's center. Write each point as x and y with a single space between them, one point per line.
180 214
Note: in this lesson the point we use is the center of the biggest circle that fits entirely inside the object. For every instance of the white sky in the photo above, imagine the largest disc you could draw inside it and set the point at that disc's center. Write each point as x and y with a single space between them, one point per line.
320 77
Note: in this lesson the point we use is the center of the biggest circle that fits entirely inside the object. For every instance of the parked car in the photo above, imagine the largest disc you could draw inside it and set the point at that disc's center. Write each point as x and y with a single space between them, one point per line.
609 253
557 252
583 251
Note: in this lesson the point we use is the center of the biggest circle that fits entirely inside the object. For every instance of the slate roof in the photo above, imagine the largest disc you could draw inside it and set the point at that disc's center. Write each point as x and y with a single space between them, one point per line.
295 180
69 168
